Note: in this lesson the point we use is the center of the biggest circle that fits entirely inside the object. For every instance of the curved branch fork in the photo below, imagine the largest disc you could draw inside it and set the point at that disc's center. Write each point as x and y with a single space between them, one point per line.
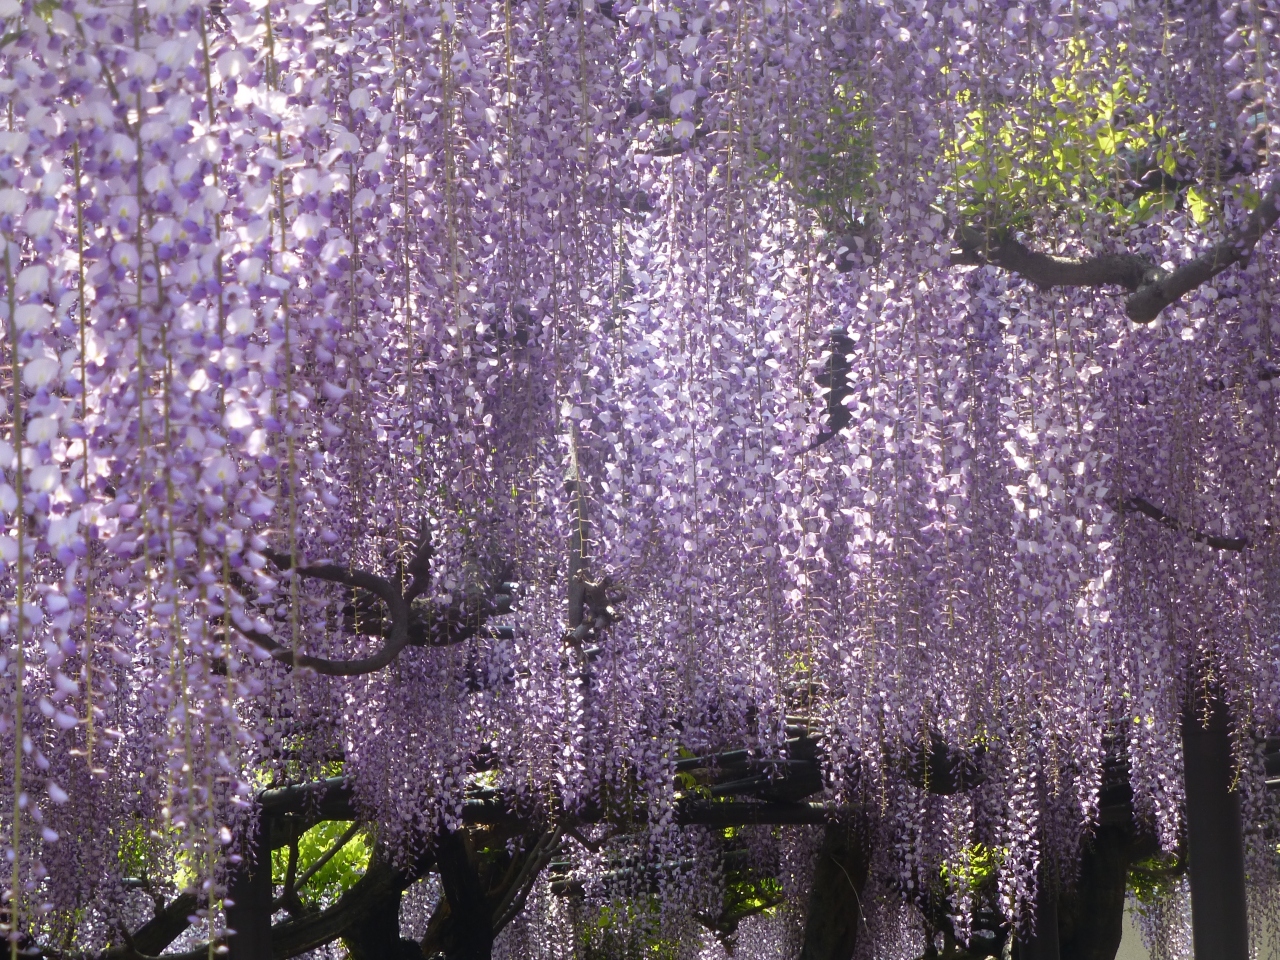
397 606
408 627
1151 289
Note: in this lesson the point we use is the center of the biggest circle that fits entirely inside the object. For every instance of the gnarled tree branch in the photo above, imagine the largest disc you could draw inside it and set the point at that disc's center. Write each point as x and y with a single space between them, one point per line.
513 896
1002 249
166 926
330 668
1149 509
397 639
1151 288
1145 305
437 626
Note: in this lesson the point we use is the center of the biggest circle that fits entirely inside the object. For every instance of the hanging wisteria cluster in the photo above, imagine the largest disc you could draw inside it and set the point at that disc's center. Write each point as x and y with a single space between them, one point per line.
648 311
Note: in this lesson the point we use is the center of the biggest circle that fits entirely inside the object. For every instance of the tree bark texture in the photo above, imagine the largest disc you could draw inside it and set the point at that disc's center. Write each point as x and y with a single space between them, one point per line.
470 935
1151 288
835 901
1215 843
376 936
1090 912
1043 944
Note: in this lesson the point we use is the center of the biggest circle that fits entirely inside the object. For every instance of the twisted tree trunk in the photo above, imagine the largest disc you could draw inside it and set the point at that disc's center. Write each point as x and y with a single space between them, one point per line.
1043 944
470 934
1091 911
835 900
376 936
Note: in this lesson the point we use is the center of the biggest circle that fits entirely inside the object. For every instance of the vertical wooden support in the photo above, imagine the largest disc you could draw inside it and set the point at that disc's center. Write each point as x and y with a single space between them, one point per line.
1215 841
249 900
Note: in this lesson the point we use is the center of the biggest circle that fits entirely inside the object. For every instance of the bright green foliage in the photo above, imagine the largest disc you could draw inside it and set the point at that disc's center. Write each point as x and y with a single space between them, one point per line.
747 893
1152 880
621 932
336 876
147 855
977 870
137 852
1091 140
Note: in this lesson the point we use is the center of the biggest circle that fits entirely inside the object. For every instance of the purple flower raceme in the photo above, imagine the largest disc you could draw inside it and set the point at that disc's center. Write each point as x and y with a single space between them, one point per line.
752 328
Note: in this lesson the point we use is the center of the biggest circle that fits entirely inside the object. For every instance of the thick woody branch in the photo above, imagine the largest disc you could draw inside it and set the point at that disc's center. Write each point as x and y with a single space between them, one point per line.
293 937
397 639
1145 305
322 665
1002 249
515 894
380 587
1149 509
1151 288
166 926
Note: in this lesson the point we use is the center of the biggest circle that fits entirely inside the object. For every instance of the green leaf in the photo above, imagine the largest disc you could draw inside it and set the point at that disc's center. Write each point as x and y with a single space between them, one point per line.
336 876
1198 206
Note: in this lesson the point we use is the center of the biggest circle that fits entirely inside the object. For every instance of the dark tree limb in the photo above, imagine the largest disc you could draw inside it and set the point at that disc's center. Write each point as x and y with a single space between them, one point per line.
398 607
419 568
485 889
1145 305
835 381
1090 912
1044 943
1002 249
322 665
1151 288
1149 509
361 913
376 935
726 923
367 897
470 935
943 769
166 926
438 625
380 587
512 898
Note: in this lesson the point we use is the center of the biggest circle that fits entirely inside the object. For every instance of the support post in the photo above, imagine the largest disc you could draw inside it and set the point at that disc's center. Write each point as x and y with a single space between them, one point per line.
1215 841
249 899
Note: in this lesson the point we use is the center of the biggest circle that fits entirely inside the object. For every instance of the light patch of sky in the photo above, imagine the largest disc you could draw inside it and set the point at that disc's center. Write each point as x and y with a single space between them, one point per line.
1131 945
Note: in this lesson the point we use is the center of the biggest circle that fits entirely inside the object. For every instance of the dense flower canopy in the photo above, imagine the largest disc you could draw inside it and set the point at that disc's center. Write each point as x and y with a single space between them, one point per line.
498 309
